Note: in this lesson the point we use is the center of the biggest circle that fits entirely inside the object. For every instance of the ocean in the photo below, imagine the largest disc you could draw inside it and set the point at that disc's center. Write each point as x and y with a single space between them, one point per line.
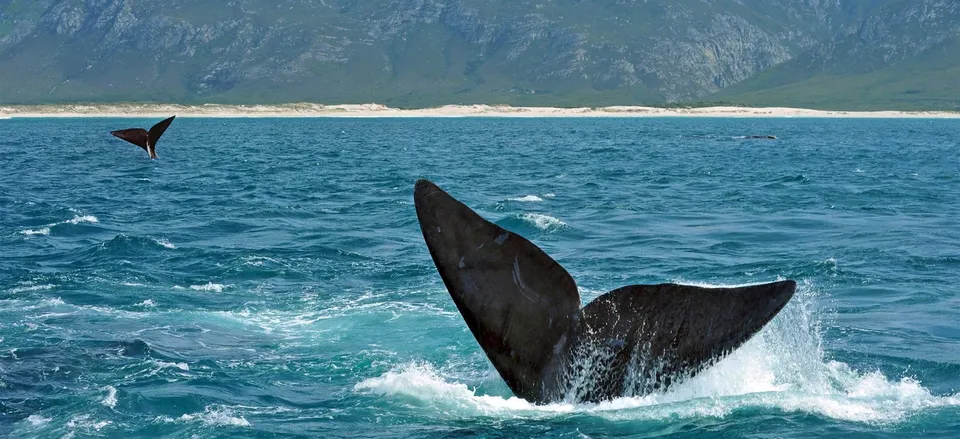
266 278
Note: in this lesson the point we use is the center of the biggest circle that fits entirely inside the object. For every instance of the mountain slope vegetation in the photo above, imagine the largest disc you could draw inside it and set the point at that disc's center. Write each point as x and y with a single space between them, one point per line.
432 52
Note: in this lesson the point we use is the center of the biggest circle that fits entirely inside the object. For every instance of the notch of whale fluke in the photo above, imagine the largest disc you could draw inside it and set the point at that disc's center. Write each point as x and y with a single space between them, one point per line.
143 138
524 310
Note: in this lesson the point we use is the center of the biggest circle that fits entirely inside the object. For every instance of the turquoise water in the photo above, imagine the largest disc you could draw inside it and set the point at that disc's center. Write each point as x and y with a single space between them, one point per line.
267 278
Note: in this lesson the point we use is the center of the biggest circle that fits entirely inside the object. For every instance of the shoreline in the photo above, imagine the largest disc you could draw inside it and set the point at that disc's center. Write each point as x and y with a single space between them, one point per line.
305 110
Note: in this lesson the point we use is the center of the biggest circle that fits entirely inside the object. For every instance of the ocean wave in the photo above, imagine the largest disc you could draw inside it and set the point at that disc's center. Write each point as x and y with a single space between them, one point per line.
111 399
85 424
259 261
736 385
77 219
527 199
209 286
296 322
782 368
171 365
41 231
211 417
123 242
46 229
27 288
164 243
37 420
542 222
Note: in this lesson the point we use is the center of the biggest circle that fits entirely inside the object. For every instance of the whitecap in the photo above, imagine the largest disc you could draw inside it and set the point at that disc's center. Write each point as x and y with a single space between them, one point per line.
258 261
84 422
550 195
45 230
527 199
209 286
77 219
149 303
27 288
37 420
111 399
164 365
164 243
541 221
212 417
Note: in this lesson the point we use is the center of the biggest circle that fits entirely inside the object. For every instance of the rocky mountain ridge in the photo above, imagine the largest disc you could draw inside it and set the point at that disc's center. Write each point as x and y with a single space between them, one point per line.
432 52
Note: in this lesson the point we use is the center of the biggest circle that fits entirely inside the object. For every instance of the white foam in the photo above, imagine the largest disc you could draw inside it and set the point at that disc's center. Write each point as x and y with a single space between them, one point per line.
258 261
27 288
527 199
550 195
37 420
111 399
164 243
299 321
421 383
149 303
77 219
84 422
211 417
45 230
541 221
209 286
165 365
783 368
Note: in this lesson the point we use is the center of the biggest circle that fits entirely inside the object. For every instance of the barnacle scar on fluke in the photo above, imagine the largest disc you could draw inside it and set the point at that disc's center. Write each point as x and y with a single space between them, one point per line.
524 310
143 138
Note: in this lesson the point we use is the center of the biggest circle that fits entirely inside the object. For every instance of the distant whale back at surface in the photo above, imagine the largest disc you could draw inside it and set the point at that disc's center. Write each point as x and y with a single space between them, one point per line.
143 138
524 310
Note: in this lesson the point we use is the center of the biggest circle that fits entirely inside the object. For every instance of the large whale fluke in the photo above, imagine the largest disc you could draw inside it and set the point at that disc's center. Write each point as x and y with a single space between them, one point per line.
524 310
143 138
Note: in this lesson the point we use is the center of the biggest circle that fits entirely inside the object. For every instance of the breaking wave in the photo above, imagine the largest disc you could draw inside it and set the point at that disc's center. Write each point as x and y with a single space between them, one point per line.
527 199
542 222
783 368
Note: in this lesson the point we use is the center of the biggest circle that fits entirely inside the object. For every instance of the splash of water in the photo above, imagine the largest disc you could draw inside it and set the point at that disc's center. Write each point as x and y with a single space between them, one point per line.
783 368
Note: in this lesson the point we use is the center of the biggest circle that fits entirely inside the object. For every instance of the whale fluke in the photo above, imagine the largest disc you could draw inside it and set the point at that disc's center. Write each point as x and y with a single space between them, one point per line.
524 310
143 138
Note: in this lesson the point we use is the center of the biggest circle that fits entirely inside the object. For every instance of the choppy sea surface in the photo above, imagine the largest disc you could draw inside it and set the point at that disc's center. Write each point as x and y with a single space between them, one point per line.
266 278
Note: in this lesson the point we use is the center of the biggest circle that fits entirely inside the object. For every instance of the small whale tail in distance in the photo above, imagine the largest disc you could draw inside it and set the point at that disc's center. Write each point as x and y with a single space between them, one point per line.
143 138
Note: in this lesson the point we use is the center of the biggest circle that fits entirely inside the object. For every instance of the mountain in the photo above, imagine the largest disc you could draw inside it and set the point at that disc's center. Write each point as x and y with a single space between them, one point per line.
431 52
897 54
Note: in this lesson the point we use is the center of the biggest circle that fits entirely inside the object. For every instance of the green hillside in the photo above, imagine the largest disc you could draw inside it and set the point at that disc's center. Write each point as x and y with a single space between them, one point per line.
412 53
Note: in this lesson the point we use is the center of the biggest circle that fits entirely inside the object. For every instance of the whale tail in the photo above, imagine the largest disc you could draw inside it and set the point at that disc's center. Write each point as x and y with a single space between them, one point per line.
524 310
143 138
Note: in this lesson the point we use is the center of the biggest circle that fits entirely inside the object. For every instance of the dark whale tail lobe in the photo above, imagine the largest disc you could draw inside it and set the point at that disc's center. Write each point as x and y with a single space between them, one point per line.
524 310
143 138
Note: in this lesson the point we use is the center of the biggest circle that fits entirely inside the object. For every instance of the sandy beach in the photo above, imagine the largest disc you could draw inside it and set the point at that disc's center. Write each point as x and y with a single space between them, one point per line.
378 110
